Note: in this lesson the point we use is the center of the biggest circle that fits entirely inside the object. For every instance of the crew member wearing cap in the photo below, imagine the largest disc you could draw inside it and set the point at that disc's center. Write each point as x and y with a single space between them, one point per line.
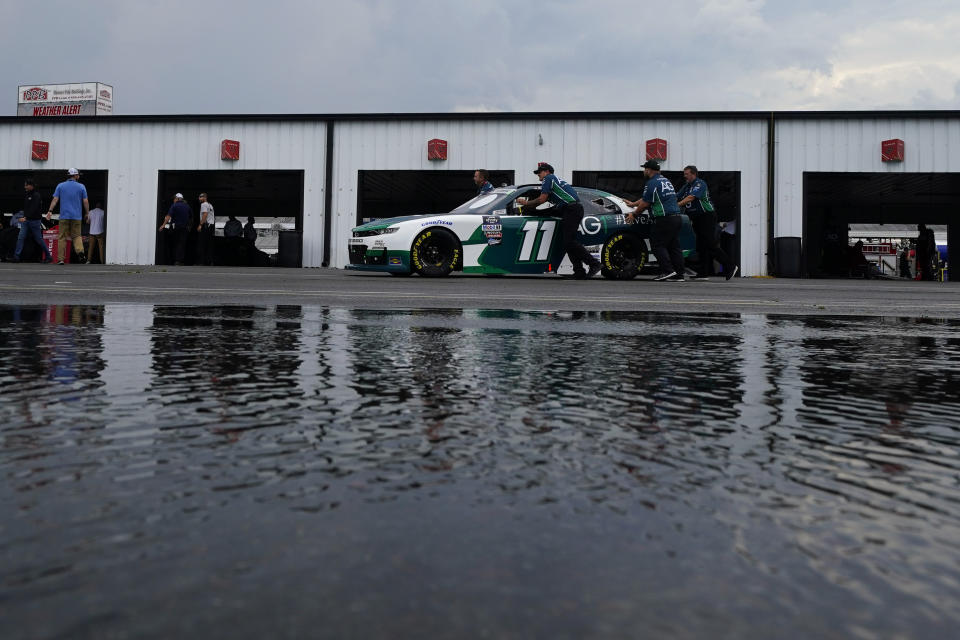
74 207
567 207
694 197
180 215
661 198
481 178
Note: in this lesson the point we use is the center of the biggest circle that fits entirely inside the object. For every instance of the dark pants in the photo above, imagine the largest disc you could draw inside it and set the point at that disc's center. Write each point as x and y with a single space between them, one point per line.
31 228
708 244
665 241
571 216
205 245
179 237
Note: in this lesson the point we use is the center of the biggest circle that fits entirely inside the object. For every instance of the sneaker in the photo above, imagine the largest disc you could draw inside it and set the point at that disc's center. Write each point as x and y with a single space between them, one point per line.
699 277
61 262
666 276
594 270
678 278
733 272
81 257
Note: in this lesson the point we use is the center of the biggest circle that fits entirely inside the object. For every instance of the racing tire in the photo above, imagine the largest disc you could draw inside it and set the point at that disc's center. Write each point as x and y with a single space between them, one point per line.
622 257
435 253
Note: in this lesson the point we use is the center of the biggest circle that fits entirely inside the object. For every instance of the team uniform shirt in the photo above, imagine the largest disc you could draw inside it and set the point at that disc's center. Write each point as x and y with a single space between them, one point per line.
180 214
701 202
72 195
485 187
96 221
659 192
207 208
558 191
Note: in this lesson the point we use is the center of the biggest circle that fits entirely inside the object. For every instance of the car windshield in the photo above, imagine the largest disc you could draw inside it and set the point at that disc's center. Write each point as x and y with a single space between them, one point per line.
488 202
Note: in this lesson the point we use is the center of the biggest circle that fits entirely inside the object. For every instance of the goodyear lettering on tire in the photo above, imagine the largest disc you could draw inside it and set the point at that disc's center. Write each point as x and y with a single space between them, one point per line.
608 249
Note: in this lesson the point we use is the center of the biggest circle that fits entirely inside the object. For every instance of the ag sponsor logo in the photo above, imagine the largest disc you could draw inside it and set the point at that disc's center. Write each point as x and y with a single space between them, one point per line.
38 94
590 225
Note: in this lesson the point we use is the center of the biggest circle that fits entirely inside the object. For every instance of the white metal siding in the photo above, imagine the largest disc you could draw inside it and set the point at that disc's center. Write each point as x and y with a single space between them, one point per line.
841 145
134 152
569 145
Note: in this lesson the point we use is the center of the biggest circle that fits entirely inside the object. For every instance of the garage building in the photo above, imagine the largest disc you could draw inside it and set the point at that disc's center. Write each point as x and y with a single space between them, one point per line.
784 177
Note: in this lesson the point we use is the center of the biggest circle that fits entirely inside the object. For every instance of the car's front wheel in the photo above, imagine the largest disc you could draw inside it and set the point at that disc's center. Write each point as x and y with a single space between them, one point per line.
622 257
435 253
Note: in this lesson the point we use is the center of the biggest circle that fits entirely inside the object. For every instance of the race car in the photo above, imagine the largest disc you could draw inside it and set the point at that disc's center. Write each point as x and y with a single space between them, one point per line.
491 234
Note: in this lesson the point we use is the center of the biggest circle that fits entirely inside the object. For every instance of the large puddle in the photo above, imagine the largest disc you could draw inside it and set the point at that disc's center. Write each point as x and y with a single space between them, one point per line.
321 472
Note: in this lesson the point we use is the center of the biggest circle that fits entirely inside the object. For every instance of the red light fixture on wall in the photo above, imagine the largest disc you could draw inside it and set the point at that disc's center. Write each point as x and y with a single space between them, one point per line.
436 149
230 150
891 150
657 149
40 150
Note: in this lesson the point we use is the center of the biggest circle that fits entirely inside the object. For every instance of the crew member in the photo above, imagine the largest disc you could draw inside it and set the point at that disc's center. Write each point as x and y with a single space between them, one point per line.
179 214
74 207
481 178
567 207
661 198
694 199
30 222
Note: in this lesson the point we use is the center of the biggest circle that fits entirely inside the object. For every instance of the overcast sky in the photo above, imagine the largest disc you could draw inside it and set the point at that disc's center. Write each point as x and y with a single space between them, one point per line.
377 56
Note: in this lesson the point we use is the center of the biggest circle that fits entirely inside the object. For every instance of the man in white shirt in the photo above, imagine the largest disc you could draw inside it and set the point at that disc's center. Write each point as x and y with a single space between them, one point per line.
97 229
206 229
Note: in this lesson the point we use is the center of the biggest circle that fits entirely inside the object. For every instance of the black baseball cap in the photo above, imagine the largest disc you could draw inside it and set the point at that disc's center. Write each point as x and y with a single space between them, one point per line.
543 166
652 164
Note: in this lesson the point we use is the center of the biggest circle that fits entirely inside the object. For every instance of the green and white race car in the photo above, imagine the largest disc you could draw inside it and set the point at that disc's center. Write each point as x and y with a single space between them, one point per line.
491 234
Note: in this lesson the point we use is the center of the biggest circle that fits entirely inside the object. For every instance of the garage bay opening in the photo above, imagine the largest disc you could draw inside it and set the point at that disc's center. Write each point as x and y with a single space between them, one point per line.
258 216
386 194
881 211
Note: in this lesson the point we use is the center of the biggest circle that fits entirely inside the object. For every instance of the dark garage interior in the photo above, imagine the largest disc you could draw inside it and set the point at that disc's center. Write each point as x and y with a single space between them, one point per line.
387 194
724 191
273 198
834 201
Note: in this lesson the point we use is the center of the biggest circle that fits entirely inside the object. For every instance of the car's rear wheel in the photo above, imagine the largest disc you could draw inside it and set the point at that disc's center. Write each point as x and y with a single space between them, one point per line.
435 253
622 257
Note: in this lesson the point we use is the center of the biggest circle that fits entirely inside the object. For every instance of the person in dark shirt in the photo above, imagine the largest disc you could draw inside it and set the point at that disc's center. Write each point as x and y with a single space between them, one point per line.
481 178
233 228
249 232
179 215
30 224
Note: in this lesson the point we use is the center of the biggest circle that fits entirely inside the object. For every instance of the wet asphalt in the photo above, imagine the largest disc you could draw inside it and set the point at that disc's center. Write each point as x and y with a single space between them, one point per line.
99 284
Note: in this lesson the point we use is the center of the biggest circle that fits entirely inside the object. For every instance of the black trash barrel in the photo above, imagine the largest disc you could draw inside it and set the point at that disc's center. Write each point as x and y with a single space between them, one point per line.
290 249
787 257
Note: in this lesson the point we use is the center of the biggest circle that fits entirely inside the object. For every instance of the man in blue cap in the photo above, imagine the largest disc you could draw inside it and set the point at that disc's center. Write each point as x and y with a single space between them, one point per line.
180 215
567 207
661 198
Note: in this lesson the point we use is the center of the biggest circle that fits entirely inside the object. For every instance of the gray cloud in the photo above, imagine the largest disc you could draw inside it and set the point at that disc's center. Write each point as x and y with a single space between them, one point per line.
213 56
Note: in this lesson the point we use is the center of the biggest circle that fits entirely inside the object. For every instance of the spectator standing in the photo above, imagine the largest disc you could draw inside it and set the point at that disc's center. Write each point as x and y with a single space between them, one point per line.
661 198
97 232
249 231
694 199
74 206
481 178
179 215
207 229
567 207
926 250
233 228
29 222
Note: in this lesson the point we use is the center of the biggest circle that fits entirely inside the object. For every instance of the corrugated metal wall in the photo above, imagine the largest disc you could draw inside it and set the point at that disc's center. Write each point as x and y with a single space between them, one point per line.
133 152
853 145
569 145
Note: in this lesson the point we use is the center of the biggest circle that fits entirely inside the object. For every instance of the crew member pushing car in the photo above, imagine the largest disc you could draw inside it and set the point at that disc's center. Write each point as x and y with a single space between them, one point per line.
567 207
694 196
661 198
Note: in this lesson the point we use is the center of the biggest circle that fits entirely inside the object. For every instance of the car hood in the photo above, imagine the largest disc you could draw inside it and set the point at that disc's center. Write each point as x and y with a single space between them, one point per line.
380 223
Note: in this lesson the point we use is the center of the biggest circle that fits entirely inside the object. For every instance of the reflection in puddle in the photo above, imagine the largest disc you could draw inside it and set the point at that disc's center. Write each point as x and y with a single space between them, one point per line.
548 473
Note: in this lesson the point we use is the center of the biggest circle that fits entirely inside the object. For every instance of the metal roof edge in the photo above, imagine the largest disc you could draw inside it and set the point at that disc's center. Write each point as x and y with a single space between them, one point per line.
498 115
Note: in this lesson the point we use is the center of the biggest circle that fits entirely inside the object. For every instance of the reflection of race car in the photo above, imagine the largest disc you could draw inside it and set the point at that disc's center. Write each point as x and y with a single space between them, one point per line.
491 234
